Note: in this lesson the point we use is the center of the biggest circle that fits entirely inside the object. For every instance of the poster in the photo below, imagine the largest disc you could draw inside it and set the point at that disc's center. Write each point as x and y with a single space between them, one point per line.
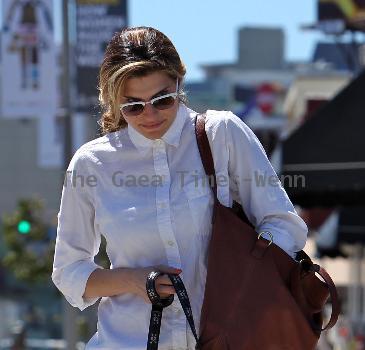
28 52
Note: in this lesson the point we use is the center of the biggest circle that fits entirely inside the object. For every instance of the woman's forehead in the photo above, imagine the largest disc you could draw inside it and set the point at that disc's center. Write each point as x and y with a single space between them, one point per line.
146 86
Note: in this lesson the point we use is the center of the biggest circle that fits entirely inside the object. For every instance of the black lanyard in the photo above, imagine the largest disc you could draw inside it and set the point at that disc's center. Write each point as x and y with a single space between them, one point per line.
159 304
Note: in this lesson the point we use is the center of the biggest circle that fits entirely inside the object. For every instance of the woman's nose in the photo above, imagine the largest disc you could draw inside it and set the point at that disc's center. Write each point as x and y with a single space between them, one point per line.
149 110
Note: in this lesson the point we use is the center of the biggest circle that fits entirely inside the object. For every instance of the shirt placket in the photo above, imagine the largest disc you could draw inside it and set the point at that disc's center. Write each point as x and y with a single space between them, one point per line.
167 236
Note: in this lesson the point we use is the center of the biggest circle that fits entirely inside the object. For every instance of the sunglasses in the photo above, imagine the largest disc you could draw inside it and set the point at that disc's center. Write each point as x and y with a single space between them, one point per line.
133 109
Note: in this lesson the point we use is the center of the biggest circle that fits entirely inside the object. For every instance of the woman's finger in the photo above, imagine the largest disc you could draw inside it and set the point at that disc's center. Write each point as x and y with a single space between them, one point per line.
168 269
165 290
163 280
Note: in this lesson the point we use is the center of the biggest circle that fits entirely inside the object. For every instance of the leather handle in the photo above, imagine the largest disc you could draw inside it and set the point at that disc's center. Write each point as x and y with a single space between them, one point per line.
333 295
204 150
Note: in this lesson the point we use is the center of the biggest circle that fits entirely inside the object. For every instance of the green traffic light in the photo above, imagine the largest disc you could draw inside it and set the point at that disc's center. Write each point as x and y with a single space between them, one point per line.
24 227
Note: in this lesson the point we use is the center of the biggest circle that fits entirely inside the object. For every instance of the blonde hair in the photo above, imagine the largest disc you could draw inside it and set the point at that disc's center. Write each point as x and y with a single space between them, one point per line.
134 52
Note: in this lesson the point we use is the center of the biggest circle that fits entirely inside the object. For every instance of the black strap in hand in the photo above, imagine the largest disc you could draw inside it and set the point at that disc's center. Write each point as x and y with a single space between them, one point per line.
158 304
156 313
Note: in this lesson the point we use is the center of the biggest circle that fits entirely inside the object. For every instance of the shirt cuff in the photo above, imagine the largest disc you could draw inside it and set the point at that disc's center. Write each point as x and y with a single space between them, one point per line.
71 281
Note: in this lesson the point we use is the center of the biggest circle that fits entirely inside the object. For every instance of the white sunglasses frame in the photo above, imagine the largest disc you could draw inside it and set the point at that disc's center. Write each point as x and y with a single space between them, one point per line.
152 101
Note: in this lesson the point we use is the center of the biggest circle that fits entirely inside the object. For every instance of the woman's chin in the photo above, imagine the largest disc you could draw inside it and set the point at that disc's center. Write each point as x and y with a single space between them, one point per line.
153 132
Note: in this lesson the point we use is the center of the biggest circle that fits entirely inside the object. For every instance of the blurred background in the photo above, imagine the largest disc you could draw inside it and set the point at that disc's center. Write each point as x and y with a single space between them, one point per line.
294 71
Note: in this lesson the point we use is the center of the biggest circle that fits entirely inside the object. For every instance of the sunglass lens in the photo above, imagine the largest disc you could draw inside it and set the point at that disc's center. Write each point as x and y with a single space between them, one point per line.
133 110
164 103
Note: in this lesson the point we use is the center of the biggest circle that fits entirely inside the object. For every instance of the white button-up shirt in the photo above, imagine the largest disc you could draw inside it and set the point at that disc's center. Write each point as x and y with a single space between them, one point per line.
150 201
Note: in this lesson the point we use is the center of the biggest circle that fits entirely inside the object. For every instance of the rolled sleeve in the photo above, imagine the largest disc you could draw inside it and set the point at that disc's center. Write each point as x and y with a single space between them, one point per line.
261 193
78 240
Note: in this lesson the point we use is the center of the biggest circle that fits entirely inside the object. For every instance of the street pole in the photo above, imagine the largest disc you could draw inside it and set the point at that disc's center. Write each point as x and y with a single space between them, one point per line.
66 85
69 313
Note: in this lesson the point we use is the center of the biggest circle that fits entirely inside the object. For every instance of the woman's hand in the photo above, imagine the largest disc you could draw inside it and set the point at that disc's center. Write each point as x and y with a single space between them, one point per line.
163 284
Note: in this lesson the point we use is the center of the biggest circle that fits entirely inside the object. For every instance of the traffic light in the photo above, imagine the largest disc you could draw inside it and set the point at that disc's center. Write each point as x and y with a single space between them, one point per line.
28 250
24 227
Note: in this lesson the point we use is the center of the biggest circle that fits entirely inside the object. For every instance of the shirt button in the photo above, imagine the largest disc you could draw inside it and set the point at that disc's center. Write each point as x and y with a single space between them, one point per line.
171 243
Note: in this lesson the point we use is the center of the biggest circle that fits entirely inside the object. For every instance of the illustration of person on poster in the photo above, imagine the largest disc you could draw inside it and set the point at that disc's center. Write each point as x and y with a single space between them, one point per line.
23 20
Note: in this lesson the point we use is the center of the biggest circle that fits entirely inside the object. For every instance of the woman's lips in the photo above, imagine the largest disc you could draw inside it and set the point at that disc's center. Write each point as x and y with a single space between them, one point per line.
152 126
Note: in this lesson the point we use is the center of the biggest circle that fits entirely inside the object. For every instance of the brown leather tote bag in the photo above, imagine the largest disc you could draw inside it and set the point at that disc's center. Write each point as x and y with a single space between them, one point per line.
257 297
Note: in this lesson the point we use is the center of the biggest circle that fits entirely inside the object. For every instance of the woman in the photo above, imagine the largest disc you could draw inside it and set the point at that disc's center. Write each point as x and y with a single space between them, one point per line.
141 185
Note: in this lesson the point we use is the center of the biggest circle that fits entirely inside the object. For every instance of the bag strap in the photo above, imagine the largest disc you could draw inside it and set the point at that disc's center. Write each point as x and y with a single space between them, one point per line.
205 151
307 265
333 295
182 294
158 304
208 164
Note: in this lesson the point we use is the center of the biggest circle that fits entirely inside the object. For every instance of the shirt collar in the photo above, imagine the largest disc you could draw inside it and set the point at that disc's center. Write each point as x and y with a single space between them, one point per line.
172 136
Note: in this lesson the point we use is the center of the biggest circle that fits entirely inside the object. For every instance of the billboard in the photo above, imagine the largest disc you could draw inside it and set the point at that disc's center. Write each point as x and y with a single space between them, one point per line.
345 14
96 22
29 70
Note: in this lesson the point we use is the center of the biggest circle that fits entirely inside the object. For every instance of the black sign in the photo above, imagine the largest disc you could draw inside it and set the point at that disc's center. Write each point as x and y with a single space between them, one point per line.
349 12
96 22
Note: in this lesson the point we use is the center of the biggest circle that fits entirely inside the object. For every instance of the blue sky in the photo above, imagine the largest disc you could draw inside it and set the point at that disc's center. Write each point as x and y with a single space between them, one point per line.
205 31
